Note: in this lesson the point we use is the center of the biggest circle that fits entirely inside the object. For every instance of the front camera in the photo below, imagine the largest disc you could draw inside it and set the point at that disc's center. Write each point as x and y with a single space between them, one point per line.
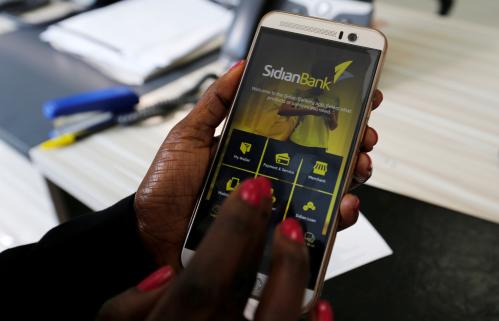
352 37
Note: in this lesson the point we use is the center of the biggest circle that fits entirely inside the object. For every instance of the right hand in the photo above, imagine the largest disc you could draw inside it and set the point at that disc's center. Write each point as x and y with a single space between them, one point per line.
219 279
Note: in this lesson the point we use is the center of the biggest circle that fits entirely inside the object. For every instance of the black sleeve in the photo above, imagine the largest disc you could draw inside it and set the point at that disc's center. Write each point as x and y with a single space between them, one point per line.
75 267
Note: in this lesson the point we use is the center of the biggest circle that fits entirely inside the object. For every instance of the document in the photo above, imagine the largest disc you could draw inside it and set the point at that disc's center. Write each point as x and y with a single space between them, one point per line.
356 246
134 39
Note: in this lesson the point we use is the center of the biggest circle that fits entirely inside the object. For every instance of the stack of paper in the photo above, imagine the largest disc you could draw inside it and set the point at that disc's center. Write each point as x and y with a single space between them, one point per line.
134 39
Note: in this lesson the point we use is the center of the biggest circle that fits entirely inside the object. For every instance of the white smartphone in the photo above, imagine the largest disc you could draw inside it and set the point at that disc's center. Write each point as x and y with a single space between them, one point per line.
298 119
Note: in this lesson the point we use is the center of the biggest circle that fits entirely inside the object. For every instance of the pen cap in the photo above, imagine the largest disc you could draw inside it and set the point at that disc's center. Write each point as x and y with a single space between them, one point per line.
117 100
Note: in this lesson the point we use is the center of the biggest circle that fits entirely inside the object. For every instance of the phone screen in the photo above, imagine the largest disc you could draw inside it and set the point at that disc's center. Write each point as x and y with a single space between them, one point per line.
295 119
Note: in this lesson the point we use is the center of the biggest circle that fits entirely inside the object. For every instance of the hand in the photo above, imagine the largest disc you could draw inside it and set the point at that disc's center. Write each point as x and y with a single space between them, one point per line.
219 279
166 197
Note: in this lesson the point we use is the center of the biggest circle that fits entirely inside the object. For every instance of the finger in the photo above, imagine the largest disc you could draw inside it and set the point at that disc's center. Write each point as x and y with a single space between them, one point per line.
349 211
136 303
369 140
321 312
223 270
283 294
377 99
213 106
363 169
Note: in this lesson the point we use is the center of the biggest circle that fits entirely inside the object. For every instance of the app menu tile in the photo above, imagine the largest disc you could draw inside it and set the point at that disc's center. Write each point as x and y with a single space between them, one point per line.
303 179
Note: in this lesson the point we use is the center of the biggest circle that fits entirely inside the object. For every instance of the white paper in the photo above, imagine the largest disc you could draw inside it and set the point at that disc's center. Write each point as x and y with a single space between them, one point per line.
133 39
356 246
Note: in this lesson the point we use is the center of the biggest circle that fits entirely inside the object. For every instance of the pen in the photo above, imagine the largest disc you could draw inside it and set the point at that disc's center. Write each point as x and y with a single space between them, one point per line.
71 138
60 107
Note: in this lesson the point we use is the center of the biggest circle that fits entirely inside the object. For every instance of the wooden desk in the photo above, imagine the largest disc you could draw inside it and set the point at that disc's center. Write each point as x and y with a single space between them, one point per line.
438 125
439 122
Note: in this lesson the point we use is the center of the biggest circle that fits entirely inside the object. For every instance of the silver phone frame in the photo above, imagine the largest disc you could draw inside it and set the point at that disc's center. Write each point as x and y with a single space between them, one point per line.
318 28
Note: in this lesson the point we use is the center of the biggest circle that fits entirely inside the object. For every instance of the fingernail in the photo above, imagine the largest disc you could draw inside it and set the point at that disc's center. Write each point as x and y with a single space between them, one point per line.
356 206
265 186
324 311
235 65
156 279
291 229
375 134
251 192
370 166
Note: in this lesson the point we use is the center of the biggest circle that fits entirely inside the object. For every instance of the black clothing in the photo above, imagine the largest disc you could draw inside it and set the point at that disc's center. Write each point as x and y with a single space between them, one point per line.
74 268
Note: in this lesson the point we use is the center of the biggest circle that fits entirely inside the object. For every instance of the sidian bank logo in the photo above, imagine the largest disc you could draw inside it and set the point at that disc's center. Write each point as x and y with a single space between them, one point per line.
307 79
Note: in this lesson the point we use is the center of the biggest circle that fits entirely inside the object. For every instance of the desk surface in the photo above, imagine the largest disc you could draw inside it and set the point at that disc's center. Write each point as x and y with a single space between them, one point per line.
444 267
438 124
32 73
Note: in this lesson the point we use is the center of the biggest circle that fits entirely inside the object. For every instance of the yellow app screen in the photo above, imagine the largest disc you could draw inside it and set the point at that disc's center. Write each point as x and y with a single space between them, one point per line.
295 118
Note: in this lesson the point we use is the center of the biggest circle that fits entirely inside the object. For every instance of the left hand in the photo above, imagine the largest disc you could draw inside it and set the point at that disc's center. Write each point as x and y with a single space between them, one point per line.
217 282
166 197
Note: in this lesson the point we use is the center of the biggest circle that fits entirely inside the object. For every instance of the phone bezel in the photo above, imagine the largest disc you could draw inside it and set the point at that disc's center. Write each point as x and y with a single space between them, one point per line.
318 28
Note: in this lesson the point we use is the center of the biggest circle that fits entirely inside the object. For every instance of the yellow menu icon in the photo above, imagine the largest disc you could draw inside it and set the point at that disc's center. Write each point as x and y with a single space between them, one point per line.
245 147
320 168
282 159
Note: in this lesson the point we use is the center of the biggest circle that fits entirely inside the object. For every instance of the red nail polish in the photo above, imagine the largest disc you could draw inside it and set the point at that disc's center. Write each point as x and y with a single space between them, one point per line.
356 207
291 229
251 192
235 65
156 279
324 311
375 134
265 186
370 166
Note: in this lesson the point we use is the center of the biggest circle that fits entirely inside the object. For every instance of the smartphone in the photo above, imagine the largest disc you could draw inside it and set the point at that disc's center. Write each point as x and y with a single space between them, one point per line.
298 118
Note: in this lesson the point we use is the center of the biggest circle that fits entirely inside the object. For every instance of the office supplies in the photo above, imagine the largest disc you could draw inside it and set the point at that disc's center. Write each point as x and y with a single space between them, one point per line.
115 115
116 100
133 40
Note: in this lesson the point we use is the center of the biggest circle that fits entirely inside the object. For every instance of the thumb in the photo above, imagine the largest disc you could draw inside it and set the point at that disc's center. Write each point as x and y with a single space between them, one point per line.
135 303
213 106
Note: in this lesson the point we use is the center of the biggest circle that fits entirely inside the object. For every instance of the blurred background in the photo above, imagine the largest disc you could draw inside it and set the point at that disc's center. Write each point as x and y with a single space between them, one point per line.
434 193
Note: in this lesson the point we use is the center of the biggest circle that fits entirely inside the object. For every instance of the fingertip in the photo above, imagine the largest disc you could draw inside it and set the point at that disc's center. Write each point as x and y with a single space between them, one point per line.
160 277
324 311
253 191
349 210
291 229
377 99
370 139
235 66
364 168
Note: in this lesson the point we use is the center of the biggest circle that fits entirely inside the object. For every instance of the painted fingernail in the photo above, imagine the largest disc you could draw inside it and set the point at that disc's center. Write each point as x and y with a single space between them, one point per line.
376 135
235 65
356 206
370 166
251 192
156 279
291 229
265 186
324 311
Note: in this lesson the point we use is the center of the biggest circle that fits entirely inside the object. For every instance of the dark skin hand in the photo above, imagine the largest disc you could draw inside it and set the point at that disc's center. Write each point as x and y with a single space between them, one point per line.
166 197
216 284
